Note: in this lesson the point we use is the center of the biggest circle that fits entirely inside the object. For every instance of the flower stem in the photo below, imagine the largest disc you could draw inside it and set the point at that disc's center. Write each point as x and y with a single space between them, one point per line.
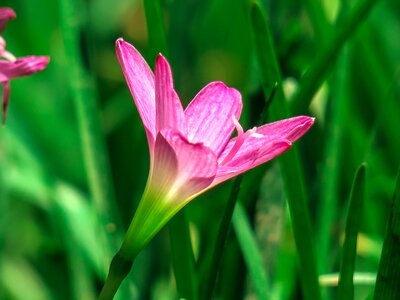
119 269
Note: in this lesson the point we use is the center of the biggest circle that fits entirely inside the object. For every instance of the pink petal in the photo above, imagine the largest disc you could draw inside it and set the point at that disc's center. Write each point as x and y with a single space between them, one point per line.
277 138
209 116
181 169
164 166
250 159
140 80
169 109
5 15
290 129
23 66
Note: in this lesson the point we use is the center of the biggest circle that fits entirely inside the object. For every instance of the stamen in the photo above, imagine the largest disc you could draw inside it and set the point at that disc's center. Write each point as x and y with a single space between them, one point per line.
241 137
8 56
5 54
239 127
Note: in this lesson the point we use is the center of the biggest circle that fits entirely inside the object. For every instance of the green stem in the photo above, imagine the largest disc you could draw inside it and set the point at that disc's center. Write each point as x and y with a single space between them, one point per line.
119 269
290 163
316 74
387 281
347 265
84 99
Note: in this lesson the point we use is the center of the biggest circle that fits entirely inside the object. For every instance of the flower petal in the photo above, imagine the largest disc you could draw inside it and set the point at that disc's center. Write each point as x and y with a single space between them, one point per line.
180 171
6 14
209 116
169 111
23 66
277 137
291 129
192 171
140 80
251 158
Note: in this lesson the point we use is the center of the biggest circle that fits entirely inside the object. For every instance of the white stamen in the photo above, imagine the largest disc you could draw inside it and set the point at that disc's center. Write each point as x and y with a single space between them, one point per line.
238 127
240 139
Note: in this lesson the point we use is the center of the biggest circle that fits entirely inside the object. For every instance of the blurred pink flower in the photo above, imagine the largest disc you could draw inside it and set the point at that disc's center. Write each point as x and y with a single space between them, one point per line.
6 14
192 150
11 67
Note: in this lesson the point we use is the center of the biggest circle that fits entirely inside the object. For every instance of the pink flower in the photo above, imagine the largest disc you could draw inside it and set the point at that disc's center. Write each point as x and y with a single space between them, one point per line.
11 67
191 150
5 15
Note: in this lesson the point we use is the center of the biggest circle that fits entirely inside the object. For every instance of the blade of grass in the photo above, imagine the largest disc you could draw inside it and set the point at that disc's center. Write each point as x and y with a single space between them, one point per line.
182 257
347 265
387 281
78 233
93 145
317 72
284 281
383 88
155 28
210 280
88 116
319 22
359 278
251 253
290 164
333 152
3 186
224 227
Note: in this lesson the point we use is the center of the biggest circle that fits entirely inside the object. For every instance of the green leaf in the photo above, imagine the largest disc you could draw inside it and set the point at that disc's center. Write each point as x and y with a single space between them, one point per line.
182 257
387 281
316 74
347 266
290 164
251 253
21 280
155 27
218 251
83 94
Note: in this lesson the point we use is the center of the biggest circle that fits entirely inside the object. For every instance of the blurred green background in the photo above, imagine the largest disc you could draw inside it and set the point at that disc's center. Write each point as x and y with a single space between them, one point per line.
55 240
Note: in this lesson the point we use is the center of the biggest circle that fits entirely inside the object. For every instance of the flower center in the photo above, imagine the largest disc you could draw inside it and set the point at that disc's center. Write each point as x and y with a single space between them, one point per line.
241 137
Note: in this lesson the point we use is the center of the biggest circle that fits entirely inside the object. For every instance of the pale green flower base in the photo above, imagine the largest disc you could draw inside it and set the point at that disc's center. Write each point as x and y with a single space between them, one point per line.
153 212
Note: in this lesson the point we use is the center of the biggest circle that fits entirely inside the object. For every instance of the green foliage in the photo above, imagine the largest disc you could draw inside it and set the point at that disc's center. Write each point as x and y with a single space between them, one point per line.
349 250
74 158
